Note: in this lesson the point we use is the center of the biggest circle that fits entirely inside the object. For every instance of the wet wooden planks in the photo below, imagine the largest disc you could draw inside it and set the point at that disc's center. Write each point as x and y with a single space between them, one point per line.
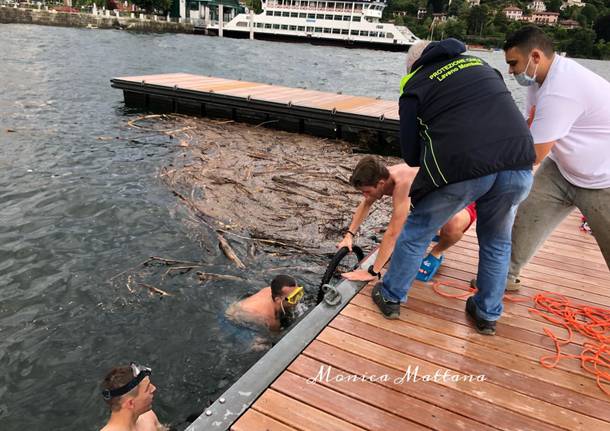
434 335
363 106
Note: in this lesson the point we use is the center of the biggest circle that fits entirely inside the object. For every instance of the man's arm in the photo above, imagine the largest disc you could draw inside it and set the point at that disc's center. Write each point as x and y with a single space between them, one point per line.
542 150
359 216
400 210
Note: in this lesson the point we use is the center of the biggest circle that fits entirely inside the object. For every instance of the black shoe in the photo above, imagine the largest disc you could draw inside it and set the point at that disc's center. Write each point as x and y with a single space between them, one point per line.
389 309
485 327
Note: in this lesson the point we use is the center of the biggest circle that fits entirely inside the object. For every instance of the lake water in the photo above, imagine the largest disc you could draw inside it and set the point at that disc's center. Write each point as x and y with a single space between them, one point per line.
76 210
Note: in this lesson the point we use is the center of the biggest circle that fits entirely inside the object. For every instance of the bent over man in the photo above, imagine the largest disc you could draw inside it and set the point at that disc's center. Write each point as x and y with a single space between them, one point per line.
460 125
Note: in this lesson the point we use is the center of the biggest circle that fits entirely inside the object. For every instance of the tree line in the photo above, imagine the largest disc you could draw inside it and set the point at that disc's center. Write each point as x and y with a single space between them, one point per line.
487 25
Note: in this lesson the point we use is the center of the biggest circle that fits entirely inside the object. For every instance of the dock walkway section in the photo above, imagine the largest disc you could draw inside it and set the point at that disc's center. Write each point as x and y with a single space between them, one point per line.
366 120
433 336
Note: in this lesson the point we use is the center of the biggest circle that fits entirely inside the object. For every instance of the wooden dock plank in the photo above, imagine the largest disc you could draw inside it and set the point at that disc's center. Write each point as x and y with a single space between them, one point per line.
433 333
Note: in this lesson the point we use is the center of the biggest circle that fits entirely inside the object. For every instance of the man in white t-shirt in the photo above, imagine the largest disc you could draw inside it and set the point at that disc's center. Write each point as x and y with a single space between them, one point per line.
569 116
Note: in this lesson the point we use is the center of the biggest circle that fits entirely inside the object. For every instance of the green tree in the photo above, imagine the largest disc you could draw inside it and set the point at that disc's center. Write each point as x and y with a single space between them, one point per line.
453 28
602 27
590 13
150 6
553 5
580 43
477 19
456 7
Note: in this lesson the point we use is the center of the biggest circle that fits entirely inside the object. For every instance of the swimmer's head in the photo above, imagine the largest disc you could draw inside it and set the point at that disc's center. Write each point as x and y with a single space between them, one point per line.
130 388
285 291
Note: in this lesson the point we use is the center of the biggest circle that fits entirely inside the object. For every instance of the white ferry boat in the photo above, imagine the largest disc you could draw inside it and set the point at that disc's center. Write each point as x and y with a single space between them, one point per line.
351 23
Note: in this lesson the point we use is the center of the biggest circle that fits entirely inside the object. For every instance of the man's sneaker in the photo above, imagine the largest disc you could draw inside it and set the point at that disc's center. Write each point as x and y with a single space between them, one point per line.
512 285
485 327
389 309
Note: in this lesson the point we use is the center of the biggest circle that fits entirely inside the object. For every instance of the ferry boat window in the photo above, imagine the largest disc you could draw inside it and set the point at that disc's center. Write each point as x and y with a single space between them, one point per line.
389 35
364 33
381 34
267 25
311 15
318 29
328 17
354 32
268 13
344 31
373 34
331 5
356 19
294 14
337 17
346 18
301 28
284 27
326 30
336 31
285 13
242 24
276 26
293 28
319 16
302 15
277 13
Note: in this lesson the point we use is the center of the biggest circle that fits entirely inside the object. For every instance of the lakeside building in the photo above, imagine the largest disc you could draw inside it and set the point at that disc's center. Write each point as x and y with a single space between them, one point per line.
513 13
537 6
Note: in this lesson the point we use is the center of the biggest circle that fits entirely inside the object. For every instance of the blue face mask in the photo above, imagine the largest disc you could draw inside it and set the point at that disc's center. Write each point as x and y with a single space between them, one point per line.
523 78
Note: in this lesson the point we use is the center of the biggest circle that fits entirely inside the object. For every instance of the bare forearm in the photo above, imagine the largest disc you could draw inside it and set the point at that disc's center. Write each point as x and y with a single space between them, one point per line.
385 250
359 216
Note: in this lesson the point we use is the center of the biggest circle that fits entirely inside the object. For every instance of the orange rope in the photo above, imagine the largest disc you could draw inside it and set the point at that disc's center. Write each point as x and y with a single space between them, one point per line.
469 291
591 322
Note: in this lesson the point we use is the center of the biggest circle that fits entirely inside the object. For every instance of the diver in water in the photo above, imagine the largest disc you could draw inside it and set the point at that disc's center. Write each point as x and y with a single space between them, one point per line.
129 394
271 307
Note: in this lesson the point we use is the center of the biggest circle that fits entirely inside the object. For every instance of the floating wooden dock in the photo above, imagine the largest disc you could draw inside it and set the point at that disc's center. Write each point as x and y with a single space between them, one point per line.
365 120
434 333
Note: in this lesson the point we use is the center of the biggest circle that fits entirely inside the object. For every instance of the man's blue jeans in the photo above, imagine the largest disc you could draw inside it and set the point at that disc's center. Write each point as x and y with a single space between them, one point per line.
497 196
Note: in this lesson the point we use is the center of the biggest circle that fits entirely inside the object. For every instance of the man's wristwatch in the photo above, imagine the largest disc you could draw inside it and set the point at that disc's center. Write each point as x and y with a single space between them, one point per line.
371 271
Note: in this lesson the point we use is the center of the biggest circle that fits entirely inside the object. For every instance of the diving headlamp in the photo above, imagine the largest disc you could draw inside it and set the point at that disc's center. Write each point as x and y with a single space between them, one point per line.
139 373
